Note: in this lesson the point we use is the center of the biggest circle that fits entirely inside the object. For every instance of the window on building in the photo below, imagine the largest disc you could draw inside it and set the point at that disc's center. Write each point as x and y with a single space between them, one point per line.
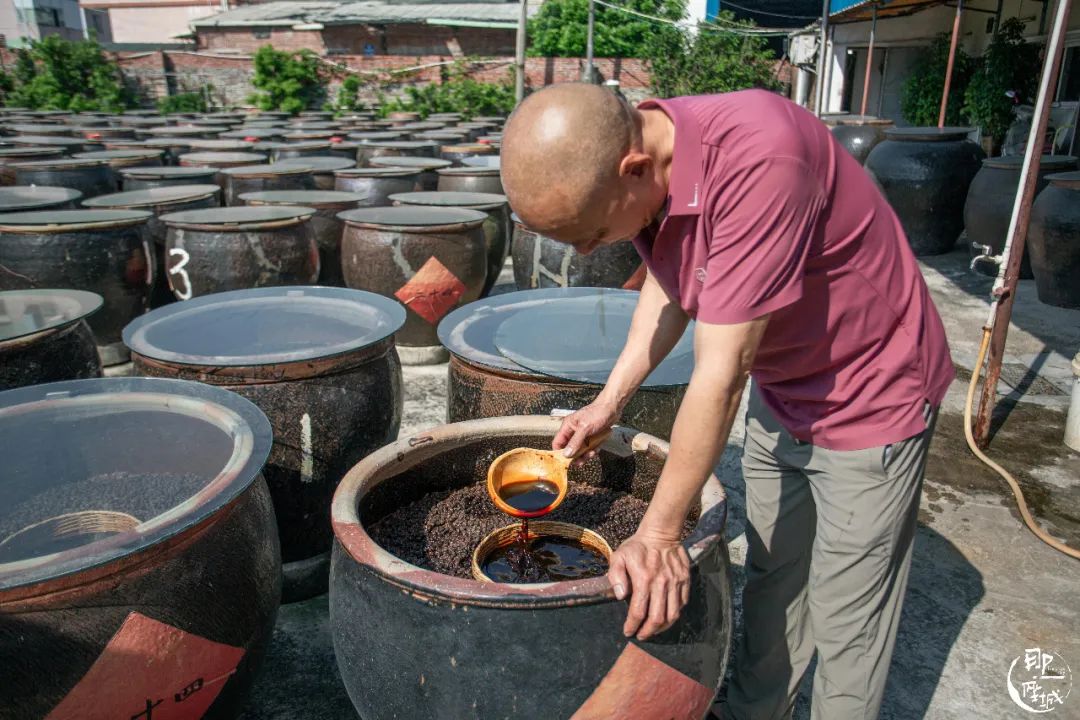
48 17
261 34
1069 87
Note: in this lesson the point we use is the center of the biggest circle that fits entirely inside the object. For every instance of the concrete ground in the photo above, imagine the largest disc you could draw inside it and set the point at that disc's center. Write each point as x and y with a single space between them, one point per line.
983 589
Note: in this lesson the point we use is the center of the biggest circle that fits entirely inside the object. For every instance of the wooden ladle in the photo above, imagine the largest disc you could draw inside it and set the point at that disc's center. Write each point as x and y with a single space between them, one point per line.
528 483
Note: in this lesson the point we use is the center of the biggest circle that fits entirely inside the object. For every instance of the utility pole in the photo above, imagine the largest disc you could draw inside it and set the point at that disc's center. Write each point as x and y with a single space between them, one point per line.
589 73
519 53
819 96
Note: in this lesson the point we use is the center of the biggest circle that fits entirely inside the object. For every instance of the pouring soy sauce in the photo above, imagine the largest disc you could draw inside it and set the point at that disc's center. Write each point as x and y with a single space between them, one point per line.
529 483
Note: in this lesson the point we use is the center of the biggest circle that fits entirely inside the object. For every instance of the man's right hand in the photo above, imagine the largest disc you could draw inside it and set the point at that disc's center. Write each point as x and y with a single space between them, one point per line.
578 427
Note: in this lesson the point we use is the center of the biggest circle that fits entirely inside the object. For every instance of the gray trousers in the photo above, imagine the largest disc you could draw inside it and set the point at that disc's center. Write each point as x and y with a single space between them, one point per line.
830 536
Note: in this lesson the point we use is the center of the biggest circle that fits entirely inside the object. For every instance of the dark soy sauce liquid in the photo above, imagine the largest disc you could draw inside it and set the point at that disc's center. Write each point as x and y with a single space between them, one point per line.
529 496
544 559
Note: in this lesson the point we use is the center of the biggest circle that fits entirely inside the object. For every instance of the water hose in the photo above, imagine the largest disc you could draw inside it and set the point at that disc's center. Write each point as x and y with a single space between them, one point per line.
1021 503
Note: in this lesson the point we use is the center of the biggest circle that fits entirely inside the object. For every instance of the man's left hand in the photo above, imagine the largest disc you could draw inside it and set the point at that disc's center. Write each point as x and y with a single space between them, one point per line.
654 571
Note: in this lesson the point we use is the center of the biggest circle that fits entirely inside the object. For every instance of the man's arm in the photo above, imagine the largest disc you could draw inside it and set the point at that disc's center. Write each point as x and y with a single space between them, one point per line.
656 327
652 567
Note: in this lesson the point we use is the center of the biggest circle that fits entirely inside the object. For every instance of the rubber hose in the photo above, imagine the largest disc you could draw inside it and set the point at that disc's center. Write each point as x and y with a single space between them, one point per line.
1021 503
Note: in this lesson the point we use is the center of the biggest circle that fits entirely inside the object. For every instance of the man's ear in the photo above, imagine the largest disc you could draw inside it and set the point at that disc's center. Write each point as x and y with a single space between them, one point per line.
635 164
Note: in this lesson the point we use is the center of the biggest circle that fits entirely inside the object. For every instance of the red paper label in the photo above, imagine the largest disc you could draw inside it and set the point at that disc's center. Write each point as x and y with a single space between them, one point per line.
151 671
432 291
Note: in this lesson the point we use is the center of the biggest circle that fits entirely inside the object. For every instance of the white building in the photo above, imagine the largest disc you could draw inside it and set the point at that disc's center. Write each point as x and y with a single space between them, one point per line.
905 28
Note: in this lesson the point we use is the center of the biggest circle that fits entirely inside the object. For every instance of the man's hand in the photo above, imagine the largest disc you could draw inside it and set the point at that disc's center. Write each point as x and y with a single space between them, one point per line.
578 427
654 571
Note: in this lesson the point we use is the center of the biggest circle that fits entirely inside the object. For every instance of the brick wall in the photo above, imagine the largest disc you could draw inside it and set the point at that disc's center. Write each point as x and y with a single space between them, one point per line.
154 74
404 39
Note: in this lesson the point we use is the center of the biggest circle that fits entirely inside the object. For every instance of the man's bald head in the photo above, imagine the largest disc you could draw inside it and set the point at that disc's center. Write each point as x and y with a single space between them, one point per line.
561 152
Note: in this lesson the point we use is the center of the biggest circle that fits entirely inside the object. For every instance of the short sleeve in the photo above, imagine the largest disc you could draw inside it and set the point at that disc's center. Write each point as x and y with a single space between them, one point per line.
763 222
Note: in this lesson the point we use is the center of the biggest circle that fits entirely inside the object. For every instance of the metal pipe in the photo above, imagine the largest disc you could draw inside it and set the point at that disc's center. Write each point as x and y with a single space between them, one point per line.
1004 292
822 48
884 79
952 60
519 53
997 16
589 75
869 61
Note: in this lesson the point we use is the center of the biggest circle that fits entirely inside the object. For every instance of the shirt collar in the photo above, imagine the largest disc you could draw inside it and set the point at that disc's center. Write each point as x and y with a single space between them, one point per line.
685 188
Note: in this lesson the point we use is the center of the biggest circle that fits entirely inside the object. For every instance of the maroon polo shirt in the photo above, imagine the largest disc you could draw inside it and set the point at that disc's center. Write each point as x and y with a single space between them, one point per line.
767 213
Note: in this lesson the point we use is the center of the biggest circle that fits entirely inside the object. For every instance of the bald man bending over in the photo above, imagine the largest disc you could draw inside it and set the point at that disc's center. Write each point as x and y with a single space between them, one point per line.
755 222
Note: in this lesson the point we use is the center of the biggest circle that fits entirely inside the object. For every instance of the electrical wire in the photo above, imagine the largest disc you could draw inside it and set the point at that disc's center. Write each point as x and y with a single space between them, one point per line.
709 25
1021 503
727 3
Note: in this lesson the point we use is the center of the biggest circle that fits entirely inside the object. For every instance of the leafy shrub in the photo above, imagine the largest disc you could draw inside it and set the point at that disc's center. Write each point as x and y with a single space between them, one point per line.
920 99
184 102
712 61
58 74
560 27
347 99
287 81
1010 65
457 93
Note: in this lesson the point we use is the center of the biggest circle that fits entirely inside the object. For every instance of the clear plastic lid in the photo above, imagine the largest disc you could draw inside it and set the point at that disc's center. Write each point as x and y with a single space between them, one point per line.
153 196
318 163
239 216
412 216
469 331
928 134
450 199
264 326
25 312
580 338
153 173
407 161
310 198
28 197
259 170
96 470
70 220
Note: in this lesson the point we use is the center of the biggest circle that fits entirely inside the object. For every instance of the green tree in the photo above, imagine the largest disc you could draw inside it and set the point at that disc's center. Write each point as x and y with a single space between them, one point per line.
287 81
1007 75
347 99
184 102
59 74
920 99
559 28
711 61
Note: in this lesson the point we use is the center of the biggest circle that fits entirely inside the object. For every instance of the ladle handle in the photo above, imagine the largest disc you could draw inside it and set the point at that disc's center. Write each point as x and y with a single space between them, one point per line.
590 443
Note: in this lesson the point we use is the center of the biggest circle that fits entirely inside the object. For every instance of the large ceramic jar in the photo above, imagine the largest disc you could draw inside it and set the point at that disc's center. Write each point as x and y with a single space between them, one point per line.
144 178
17 154
427 167
44 337
414 642
237 248
567 371
320 362
990 199
457 153
859 134
541 262
430 259
119 159
160 201
471 178
1054 240
497 227
325 224
139 564
259 178
21 198
101 251
90 177
925 174
377 184
409 148
220 160
322 168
